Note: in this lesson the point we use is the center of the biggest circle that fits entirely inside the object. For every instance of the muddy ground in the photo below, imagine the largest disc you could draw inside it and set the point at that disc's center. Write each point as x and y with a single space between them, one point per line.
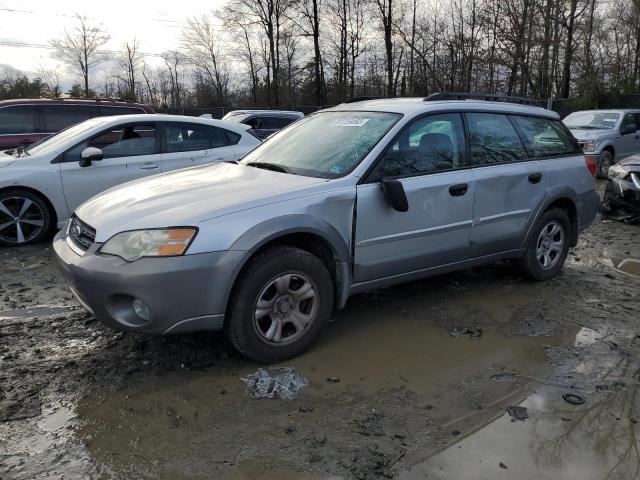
407 382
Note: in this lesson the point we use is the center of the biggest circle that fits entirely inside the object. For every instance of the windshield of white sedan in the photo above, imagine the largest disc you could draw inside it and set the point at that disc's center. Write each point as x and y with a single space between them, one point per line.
592 120
325 145
63 137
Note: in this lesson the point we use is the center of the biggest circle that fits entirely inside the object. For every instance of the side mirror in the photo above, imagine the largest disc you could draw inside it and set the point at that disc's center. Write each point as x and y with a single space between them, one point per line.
89 155
394 194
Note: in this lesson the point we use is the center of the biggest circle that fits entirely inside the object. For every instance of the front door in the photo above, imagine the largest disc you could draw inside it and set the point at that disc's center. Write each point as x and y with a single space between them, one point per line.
629 141
192 144
129 152
428 158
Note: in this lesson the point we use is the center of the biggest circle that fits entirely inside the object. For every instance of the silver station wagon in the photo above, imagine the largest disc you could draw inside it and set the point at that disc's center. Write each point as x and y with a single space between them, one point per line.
363 195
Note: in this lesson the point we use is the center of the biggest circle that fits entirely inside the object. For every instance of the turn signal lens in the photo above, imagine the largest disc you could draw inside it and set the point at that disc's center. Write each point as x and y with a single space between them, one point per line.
149 243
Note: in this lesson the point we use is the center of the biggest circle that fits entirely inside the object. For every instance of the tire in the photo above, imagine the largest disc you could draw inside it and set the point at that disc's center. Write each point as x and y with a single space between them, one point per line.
605 160
25 218
542 241
279 305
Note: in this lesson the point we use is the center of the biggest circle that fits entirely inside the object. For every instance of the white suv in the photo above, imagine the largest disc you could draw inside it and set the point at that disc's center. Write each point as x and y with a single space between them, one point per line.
42 185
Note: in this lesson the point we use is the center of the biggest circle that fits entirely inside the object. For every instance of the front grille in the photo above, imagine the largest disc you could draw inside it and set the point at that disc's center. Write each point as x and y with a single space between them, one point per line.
81 234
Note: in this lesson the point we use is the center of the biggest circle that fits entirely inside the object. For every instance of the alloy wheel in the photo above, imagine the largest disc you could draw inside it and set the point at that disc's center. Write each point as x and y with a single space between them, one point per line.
286 307
550 245
21 220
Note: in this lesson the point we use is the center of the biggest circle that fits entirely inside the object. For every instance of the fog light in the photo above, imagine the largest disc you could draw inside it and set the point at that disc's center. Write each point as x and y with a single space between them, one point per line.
141 309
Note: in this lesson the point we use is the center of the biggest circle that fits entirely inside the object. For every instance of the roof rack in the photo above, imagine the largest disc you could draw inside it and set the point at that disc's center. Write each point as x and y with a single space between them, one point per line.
362 99
488 97
96 99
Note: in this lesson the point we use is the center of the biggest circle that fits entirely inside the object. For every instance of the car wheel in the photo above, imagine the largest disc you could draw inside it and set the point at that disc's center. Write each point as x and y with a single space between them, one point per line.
24 218
605 160
548 247
279 305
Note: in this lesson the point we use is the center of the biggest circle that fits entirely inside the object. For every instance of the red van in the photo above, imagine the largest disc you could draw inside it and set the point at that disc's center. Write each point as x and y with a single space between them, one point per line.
26 121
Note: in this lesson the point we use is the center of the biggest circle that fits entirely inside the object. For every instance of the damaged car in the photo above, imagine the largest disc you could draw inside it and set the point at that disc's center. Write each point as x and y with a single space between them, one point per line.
360 196
623 186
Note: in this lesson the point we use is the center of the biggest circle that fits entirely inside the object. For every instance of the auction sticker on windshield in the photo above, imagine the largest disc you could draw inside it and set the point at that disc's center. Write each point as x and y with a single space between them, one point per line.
350 122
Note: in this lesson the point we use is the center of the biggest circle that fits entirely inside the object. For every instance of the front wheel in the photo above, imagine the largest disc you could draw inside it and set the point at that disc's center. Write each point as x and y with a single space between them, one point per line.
548 247
24 218
279 305
605 160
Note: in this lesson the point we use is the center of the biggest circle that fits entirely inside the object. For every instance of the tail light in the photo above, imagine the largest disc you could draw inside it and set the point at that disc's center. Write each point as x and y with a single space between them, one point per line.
592 164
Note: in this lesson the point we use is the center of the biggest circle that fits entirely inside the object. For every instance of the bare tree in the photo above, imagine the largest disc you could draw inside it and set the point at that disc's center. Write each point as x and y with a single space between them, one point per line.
200 42
79 48
51 79
130 64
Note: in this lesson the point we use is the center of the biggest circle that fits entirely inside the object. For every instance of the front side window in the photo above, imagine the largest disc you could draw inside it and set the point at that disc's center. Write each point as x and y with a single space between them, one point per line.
628 124
127 141
18 119
544 137
59 117
428 145
325 144
493 139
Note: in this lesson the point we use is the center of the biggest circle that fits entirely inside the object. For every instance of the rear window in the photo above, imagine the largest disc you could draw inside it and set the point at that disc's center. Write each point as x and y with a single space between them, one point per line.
276 123
544 137
59 117
18 119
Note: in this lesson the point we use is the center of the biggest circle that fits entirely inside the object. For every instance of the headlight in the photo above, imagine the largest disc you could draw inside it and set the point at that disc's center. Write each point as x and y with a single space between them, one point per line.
590 145
149 243
617 171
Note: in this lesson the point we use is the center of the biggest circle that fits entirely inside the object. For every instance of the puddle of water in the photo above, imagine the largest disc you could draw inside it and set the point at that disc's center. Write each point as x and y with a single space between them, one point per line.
593 441
627 266
390 352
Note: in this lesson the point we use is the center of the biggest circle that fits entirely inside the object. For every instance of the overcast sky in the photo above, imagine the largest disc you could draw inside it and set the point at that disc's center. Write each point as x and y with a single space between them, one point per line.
155 23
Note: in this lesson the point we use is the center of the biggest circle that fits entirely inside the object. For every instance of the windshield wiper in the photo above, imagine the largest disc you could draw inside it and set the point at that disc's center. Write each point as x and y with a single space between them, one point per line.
269 166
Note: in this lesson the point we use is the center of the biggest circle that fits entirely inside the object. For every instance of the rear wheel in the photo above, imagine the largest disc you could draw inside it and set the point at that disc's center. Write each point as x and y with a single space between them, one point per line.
279 305
605 160
24 218
548 247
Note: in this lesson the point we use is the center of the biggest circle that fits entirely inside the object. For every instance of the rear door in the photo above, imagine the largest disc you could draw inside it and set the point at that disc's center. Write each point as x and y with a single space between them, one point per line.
429 159
130 151
192 144
508 188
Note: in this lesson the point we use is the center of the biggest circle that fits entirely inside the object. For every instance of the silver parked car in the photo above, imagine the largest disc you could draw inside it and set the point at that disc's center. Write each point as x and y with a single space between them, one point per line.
263 123
352 198
607 136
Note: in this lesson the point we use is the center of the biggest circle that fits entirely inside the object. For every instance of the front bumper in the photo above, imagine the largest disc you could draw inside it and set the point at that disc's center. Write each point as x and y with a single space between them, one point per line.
183 293
622 192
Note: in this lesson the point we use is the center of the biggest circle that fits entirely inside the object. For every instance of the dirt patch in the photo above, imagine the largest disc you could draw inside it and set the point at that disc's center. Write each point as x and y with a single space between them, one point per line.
78 399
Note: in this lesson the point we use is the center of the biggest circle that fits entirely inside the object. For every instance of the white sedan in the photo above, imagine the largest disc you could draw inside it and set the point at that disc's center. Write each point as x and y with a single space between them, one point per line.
41 186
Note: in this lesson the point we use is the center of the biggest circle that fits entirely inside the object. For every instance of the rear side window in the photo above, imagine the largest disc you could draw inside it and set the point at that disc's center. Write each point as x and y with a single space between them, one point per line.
544 138
493 139
275 123
110 111
59 117
18 119
192 137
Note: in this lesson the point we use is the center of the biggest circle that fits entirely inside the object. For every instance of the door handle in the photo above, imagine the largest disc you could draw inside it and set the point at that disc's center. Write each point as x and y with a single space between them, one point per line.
149 165
458 190
535 177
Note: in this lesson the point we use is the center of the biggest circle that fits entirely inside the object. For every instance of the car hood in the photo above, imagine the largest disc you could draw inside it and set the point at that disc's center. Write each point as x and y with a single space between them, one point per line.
187 197
585 134
631 163
6 160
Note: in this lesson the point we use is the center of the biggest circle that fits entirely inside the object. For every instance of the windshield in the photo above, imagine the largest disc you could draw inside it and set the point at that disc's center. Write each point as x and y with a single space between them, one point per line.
592 120
325 144
62 137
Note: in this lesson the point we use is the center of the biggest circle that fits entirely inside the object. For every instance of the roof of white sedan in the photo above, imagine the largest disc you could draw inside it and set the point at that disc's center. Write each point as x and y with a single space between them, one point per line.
419 105
163 117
